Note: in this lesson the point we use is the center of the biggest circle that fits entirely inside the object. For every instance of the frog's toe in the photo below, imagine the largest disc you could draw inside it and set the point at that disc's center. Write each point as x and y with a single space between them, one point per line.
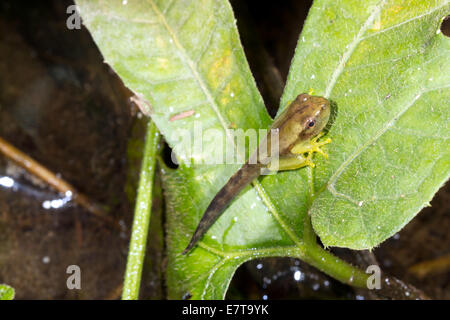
318 150
316 146
309 162
322 143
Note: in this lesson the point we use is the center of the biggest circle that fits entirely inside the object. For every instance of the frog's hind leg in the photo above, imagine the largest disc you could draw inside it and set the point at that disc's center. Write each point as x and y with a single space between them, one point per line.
290 163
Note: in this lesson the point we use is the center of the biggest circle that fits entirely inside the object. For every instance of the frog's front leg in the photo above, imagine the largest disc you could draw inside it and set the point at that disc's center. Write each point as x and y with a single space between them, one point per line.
301 155
311 146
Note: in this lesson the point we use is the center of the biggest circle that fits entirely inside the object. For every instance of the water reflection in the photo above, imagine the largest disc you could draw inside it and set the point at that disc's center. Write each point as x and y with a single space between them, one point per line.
48 203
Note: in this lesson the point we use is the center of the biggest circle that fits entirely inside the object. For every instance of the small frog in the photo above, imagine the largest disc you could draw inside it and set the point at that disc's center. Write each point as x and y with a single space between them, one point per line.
299 127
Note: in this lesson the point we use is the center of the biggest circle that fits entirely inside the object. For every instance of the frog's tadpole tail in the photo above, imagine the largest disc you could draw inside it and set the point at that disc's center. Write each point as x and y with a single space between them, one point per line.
237 182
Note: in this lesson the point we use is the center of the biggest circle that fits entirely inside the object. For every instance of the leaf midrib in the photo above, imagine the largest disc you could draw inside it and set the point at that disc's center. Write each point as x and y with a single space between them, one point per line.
351 48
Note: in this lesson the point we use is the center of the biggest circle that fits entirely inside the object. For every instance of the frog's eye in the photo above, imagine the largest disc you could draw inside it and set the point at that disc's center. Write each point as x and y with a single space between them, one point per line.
310 123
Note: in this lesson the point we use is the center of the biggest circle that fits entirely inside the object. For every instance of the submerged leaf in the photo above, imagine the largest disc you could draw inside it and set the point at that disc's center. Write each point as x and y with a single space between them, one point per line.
6 292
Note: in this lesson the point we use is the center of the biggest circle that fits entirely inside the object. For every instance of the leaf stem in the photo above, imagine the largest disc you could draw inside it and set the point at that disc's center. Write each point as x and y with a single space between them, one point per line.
142 213
335 267
322 259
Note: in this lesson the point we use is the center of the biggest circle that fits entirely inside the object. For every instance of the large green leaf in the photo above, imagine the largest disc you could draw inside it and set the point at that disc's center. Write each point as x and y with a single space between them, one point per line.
186 55
387 67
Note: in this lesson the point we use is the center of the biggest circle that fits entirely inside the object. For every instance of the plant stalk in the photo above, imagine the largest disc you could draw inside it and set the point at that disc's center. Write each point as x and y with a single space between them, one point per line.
142 214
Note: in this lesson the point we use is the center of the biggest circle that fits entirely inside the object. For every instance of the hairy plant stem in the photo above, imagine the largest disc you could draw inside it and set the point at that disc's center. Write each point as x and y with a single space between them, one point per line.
142 213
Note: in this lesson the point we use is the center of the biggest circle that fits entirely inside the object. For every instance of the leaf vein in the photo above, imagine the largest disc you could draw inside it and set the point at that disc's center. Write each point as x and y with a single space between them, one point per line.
351 48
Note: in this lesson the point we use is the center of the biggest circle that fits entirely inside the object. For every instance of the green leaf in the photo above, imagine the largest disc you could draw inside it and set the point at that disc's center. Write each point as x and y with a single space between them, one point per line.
6 292
387 67
185 58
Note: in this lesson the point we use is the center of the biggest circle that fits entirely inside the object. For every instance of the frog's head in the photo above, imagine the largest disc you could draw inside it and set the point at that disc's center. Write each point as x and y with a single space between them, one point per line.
315 112
304 119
